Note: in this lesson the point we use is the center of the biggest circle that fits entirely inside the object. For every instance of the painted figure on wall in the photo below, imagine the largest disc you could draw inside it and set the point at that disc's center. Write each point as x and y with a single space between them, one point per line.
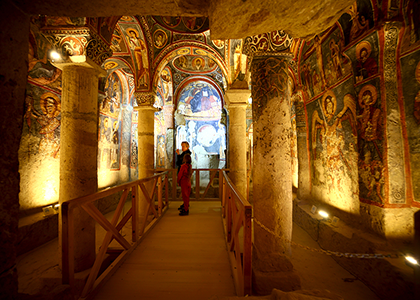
115 146
336 58
366 66
40 69
370 154
417 98
140 54
161 151
51 108
307 80
319 59
359 22
369 119
329 142
134 146
202 99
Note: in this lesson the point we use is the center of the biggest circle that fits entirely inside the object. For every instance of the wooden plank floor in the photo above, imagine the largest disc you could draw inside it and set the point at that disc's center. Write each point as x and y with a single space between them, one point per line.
183 257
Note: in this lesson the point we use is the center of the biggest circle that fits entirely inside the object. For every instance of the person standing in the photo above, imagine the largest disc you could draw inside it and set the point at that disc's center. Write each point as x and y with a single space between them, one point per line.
184 180
185 147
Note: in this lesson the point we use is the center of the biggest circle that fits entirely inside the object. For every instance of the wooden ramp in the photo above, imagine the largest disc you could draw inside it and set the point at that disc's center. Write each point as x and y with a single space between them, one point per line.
183 257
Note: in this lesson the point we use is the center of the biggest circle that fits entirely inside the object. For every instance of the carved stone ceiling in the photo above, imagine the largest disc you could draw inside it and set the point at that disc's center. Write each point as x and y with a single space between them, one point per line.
229 19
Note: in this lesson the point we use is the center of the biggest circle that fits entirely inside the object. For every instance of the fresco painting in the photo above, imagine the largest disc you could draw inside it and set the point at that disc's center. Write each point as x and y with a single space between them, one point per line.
370 128
410 65
357 20
333 140
109 148
201 107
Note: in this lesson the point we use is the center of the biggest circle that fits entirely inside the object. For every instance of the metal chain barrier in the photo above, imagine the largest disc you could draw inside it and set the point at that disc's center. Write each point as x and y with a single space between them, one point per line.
328 252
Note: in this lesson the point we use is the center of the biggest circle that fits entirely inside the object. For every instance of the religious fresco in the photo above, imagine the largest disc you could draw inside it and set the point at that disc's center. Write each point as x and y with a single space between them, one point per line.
357 21
40 69
134 148
134 39
411 36
238 62
195 64
200 99
43 119
199 122
161 158
337 64
184 24
370 118
410 71
333 146
110 124
118 46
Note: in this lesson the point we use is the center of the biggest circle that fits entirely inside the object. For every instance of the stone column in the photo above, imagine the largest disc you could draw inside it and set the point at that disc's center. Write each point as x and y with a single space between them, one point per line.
304 188
236 105
14 38
272 177
79 150
146 129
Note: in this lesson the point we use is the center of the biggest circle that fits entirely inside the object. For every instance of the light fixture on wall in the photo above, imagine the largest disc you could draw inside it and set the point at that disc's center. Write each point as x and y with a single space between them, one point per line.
323 214
55 56
411 260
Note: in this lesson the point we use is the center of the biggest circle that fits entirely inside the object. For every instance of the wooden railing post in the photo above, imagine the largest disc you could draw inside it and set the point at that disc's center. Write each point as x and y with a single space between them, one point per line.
67 244
247 258
220 185
135 216
160 196
174 184
166 189
197 184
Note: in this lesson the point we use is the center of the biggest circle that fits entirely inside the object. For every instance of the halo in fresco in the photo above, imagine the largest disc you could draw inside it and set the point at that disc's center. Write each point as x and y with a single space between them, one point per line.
160 38
329 97
218 43
200 99
366 45
194 23
110 65
43 101
171 21
373 95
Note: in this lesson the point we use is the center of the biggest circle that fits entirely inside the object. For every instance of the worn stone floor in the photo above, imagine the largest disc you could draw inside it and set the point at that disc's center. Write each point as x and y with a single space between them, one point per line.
39 271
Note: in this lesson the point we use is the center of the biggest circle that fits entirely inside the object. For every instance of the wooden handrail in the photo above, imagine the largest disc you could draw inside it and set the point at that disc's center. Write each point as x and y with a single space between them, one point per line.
237 215
159 181
197 195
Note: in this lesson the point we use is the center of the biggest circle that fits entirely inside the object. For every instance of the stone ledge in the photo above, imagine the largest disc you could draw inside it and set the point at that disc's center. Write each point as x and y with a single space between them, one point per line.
388 278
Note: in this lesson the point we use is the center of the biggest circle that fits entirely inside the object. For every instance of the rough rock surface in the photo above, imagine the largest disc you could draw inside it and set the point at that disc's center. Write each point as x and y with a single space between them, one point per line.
228 19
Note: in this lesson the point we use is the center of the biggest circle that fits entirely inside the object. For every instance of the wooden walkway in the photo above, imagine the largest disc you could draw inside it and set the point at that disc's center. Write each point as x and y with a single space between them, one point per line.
183 257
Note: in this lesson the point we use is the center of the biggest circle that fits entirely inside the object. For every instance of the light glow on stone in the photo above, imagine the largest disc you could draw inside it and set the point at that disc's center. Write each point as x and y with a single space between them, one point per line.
323 214
411 260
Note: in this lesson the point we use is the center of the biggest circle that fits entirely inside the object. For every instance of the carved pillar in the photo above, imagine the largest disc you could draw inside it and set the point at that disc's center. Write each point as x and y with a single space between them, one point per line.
80 62
272 174
395 153
237 103
146 129
304 189
14 74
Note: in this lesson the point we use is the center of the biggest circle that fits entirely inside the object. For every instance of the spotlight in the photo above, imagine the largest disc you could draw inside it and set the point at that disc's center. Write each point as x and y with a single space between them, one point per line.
411 260
323 214
55 55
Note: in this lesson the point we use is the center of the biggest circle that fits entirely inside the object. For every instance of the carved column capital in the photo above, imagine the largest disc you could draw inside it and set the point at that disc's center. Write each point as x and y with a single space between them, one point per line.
77 45
145 98
276 43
